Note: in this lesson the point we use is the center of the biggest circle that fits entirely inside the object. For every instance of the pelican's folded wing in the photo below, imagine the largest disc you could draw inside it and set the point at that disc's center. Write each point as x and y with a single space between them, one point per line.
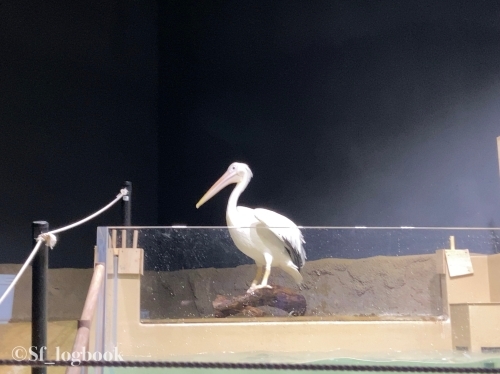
286 231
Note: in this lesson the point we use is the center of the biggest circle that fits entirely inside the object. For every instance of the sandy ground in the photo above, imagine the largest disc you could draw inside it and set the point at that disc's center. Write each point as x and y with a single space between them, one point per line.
18 334
381 285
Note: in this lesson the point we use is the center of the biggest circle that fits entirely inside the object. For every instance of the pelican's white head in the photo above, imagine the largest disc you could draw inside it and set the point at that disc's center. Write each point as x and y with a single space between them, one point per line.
237 172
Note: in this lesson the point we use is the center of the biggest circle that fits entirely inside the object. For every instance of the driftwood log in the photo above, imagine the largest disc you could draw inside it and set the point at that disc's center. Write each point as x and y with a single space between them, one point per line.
247 305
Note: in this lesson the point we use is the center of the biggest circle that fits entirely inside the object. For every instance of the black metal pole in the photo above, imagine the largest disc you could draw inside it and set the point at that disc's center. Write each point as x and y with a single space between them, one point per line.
127 211
127 205
39 297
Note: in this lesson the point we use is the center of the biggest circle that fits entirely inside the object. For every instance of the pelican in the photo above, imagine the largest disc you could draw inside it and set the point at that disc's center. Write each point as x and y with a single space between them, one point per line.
269 238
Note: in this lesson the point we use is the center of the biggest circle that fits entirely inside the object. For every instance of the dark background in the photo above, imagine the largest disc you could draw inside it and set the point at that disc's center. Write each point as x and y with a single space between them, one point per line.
375 113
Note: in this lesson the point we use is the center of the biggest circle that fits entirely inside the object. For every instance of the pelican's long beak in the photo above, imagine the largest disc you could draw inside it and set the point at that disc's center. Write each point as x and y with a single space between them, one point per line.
228 178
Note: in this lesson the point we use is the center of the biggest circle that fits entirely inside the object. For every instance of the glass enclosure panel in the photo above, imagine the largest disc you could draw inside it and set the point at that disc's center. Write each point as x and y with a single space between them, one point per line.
373 278
348 271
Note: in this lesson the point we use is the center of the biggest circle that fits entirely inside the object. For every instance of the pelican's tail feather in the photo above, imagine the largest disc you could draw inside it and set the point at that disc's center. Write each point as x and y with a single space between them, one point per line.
294 273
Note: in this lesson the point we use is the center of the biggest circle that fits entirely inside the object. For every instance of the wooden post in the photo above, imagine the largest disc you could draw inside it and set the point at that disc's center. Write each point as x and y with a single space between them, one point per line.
81 343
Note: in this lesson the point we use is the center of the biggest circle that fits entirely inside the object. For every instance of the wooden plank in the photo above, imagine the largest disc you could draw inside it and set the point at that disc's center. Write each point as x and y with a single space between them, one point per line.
136 233
131 261
82 337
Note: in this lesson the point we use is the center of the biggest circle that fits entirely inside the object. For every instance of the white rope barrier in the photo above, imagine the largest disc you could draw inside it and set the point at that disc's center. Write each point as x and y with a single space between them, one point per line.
122 193
26 264
50 240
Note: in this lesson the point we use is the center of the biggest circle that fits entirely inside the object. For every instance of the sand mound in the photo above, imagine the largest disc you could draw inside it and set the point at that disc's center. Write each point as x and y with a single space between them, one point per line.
405 285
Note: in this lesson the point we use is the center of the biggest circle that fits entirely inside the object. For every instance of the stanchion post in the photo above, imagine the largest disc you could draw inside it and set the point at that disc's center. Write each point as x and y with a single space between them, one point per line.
39 296
127 205
127 210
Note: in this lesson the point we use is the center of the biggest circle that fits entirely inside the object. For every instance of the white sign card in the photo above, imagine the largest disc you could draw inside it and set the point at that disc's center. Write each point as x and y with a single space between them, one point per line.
459 262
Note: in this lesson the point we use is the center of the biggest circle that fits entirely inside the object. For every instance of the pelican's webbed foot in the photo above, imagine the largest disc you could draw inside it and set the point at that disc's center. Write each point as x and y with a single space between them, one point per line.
258 287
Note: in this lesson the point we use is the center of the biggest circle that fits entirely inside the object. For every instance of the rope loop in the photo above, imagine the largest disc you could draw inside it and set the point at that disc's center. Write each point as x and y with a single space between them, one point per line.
49 239
123 192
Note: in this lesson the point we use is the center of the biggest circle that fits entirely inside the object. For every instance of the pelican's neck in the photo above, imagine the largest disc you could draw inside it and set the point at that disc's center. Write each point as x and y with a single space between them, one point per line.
232 204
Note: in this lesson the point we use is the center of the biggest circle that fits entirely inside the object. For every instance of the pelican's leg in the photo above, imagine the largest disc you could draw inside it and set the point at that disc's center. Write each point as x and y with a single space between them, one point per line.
260 269
269 261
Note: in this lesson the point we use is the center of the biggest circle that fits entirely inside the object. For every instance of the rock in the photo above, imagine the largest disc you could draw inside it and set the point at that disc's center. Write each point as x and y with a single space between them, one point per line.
277 297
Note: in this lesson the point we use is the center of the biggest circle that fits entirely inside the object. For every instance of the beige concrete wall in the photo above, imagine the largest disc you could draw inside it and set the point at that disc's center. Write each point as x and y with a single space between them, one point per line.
359 338
475 326
60 338
460 327
67 290
494 277
473 288
485 326
155 341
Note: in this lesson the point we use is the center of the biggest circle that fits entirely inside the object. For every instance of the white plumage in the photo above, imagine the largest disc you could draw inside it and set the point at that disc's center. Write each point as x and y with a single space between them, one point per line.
267 237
